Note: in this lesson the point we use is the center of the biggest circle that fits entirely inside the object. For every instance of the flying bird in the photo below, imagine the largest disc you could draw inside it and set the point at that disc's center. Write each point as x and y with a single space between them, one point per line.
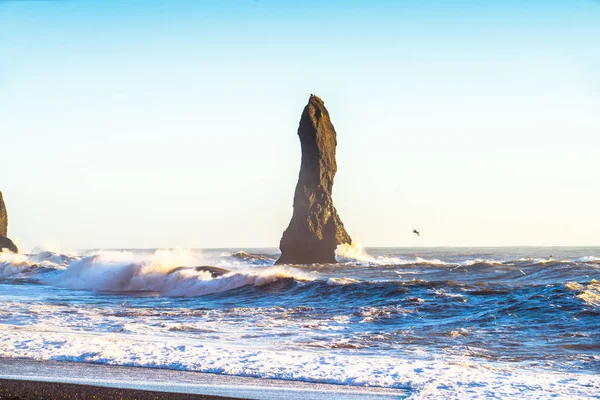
416 232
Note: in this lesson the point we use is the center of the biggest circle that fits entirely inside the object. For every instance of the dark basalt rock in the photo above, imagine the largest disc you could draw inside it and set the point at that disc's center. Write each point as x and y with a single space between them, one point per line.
214 271
5 243
3 217
251 257
316 228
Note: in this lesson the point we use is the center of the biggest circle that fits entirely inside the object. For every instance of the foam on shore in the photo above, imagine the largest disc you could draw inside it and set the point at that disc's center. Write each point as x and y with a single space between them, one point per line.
424 376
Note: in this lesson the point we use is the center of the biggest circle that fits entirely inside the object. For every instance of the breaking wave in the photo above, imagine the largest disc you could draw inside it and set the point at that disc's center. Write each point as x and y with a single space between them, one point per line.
163 272
589 293
172 272
355 253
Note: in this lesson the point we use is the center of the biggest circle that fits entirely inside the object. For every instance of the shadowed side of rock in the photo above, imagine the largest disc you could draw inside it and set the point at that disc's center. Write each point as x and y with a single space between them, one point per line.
5 243
315 229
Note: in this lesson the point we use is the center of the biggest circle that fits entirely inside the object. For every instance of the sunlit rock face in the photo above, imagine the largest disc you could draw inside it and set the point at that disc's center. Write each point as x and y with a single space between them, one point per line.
3 217
315 229
5 243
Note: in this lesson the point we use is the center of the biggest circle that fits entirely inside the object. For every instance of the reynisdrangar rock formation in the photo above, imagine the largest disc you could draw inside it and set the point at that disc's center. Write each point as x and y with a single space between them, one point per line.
3 217
316 228
5 243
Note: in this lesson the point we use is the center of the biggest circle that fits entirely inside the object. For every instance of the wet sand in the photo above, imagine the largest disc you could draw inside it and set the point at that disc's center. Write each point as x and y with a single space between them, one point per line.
36 390
28 379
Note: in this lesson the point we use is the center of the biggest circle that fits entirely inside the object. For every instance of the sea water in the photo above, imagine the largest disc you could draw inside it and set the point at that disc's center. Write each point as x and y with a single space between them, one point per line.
434 322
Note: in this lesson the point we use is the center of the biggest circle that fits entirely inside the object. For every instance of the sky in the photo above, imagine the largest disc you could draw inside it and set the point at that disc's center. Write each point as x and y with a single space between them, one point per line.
128 124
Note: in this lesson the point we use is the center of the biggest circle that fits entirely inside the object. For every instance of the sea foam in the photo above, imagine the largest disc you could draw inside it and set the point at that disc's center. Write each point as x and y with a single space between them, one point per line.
158 272
424 376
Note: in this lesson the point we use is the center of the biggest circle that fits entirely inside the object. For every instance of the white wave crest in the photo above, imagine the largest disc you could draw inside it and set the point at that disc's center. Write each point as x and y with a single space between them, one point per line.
341 281
355 252
588 293
18 265
159 272
12 264
188 283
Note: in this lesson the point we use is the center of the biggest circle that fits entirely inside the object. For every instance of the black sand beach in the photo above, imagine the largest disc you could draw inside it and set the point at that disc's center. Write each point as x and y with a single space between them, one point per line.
11 389
29 379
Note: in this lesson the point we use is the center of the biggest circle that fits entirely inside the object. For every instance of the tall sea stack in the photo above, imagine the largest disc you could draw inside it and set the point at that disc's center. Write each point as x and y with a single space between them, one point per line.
5 243
316 228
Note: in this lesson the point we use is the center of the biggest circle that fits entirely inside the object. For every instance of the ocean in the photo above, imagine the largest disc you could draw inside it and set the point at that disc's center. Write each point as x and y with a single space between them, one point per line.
430 322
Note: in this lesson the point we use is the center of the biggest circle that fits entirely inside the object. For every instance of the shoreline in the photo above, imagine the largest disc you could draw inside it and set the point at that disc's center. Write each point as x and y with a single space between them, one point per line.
21 389
22 378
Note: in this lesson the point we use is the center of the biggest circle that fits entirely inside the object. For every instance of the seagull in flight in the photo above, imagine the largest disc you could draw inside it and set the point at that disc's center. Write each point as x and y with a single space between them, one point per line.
416 232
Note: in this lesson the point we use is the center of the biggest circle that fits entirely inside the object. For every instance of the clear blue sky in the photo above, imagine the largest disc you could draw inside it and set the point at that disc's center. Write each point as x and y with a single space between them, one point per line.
173 123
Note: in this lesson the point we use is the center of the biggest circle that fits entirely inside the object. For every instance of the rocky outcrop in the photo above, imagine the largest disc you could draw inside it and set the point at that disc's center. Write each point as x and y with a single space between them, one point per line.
3 217
5 243
215 272
316 228
251 257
